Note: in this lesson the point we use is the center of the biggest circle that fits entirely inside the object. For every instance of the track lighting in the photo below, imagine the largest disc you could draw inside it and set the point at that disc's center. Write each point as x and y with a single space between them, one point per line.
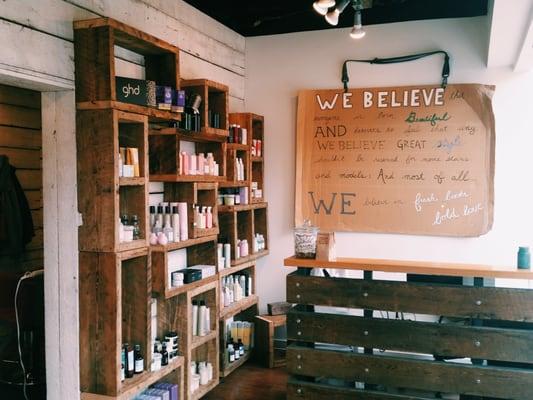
322 6
331 11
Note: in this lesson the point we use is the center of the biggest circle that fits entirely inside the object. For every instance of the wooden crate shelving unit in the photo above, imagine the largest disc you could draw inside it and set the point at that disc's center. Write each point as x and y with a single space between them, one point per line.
94 45
103 196
246 313
115 278
214 97
114 309
199 251
165 147
255 126
175 314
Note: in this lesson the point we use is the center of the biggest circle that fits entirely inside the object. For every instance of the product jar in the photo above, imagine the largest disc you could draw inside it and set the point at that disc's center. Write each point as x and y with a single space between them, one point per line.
524 258
305 240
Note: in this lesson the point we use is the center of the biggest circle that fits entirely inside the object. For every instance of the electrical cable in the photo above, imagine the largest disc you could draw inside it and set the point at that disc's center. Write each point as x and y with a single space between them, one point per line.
27 275
24 381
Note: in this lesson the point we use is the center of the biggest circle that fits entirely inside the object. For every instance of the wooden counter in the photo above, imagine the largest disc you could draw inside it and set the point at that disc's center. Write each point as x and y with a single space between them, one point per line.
414 267
474 342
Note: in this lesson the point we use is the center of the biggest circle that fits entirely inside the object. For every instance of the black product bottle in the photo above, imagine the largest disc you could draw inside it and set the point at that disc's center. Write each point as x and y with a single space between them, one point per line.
164 355
136 229
130 361
240 346
139 360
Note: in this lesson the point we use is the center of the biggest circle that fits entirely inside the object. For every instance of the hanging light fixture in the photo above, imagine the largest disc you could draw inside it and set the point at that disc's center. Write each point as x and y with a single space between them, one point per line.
357 31
331 11
322 6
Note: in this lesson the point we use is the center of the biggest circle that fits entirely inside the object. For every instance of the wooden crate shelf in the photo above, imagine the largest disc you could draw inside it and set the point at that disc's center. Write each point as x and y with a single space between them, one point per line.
103 195
190 136
175 314
94 46
232 270
232 155
254 124
238 306
203 251
240 207
114 309
247 314
198 193
236 364
183 244
236 226
153 114
214 97
164 157
260 226
173 372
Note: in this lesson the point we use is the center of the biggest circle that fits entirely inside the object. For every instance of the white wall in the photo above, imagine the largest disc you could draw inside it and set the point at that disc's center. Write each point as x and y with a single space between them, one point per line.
278 66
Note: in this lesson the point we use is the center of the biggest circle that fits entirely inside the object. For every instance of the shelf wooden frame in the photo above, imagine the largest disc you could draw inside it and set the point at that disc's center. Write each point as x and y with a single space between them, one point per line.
175 314
94 46
173 373
199 251
165 149
115 294
215 96
103 195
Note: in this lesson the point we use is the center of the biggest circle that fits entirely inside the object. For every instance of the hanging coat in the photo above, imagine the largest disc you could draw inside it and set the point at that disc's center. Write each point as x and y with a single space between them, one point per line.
16 225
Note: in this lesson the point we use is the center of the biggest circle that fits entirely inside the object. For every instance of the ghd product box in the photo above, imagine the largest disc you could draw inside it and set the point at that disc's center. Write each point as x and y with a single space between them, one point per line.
135 91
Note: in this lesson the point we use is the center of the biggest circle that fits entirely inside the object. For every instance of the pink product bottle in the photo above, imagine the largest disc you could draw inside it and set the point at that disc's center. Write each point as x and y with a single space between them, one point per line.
185 162
201 164
243 248
193 165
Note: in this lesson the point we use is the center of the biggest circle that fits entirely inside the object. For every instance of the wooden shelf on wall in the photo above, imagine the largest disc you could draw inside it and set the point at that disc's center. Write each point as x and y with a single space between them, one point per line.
238 306
236 364
139 382
191 136
232 270
203 390
198 341
153 114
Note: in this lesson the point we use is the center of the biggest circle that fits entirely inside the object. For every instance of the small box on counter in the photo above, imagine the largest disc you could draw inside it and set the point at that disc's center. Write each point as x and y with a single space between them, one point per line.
325 246
135 91
163 97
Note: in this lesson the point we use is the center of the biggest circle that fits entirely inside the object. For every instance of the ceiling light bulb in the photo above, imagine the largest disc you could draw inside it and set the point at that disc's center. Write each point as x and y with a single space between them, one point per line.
321 6
357 32
319 9
333 17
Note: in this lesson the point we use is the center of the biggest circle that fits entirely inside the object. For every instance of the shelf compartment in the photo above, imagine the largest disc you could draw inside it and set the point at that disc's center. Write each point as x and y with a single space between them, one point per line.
232 270
102 198
257 176
214 97
173 372
114 308
236 226
199 193
94 45
260 217
175 314
206 352
202 251
187 135
246 314
231 166
164 152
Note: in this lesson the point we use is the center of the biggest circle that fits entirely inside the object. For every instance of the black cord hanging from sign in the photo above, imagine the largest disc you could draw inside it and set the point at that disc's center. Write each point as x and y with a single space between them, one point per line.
394 60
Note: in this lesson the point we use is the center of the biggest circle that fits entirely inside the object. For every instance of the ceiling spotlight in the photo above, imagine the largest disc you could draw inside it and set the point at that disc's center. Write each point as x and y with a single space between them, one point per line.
333 16
357 31
321 6
324 7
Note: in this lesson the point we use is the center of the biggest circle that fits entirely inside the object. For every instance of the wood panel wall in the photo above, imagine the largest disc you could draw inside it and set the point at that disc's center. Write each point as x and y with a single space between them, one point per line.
21 141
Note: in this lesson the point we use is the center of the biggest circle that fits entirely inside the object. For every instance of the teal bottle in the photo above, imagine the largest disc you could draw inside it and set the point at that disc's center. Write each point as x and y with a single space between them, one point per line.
524 258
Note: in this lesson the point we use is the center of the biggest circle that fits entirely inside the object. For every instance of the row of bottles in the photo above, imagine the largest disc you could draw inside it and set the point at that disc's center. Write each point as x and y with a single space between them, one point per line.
132 361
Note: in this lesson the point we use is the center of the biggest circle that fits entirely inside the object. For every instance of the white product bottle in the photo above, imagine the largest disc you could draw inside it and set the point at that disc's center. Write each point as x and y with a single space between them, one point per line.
175 224
207 322
201 318
194 318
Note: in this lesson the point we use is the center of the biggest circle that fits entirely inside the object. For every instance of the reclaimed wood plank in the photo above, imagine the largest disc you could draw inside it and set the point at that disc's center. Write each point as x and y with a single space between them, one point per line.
393 371
447 300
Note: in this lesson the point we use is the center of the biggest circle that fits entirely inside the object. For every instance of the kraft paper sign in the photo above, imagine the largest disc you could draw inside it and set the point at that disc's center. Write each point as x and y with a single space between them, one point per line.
417 160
